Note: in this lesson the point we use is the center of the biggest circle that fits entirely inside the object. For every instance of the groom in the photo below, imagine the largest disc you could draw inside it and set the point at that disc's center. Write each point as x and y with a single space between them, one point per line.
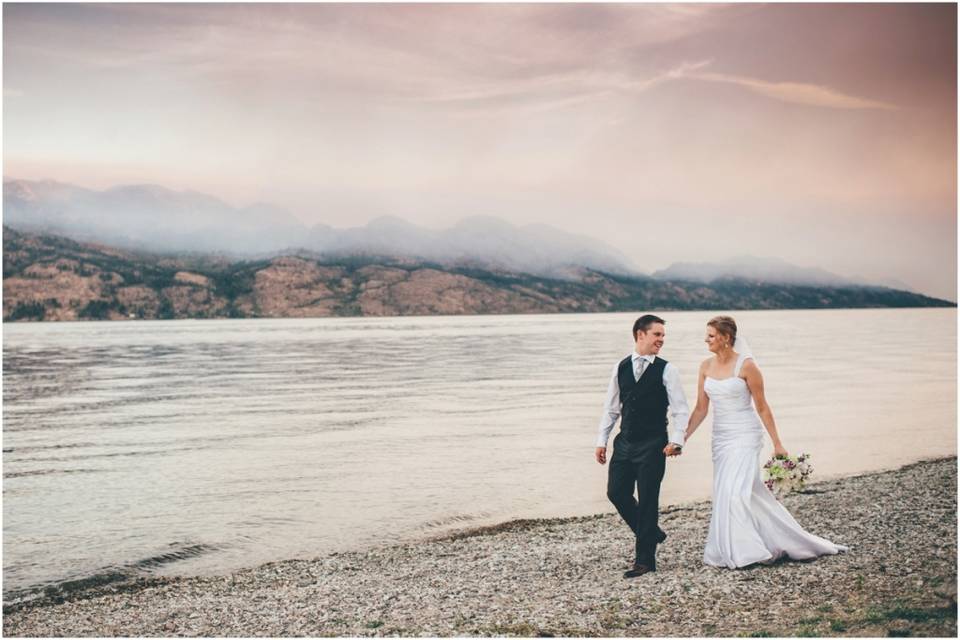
643 386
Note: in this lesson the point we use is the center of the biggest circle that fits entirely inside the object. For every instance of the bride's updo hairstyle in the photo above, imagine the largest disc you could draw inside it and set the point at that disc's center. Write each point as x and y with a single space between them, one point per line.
726 326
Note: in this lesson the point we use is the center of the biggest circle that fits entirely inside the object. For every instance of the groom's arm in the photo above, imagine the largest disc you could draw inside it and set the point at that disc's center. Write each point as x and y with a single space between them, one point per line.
679 409
611 413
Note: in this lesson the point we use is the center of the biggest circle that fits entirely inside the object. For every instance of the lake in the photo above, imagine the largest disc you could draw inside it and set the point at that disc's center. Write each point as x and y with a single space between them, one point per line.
184 447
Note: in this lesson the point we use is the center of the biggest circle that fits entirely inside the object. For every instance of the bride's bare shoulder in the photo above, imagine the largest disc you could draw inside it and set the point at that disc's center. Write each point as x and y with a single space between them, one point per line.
705 364
749 366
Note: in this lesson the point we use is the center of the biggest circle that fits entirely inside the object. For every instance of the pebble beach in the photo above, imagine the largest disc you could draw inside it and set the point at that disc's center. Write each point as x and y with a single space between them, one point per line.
563 577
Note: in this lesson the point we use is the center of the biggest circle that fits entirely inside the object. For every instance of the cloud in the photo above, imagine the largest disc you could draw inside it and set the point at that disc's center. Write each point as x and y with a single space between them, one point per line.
466 56
553 91
794 92
13 93
559 90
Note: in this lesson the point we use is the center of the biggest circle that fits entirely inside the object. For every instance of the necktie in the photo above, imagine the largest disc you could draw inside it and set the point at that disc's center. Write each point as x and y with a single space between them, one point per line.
641 367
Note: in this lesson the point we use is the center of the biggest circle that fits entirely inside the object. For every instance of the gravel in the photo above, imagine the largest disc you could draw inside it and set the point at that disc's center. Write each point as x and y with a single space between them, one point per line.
564 577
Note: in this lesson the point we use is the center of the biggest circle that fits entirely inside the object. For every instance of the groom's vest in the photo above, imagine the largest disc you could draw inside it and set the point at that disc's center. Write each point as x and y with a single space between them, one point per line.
644 403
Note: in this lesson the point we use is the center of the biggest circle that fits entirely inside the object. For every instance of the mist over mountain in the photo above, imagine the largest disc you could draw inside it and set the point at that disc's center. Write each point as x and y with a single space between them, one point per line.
154 218
158 219
768 269
751 268
147 217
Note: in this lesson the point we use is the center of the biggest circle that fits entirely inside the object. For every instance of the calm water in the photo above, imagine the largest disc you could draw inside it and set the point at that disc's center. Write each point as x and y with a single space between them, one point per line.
203 446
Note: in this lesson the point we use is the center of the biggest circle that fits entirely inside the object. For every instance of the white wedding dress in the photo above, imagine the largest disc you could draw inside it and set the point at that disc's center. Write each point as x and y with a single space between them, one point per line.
748 524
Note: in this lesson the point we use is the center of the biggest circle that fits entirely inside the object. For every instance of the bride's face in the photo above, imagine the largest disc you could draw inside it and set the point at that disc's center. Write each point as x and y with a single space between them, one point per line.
713 340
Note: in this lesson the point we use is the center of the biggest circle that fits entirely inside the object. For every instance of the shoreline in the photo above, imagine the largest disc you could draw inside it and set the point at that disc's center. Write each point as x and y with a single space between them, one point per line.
113 581
26 321
562 576
519 524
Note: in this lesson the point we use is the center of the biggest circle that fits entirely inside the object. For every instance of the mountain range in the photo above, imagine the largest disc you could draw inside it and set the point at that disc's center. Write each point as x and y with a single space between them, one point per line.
157 219
50 277
146 251
765 270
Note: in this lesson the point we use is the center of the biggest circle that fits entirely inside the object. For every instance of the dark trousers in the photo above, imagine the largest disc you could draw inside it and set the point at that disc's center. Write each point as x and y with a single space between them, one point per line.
640 466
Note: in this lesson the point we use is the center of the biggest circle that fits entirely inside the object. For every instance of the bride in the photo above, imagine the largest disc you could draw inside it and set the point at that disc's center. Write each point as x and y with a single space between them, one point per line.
748 524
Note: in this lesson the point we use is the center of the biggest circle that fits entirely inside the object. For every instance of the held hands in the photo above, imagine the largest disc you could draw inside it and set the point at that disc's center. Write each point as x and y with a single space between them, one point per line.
670 451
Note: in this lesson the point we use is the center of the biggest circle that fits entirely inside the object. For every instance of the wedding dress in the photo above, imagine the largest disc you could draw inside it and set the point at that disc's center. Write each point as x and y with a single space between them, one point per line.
748 523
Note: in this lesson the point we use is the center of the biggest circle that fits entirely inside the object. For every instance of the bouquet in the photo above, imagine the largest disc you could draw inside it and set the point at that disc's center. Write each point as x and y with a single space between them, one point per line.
783 475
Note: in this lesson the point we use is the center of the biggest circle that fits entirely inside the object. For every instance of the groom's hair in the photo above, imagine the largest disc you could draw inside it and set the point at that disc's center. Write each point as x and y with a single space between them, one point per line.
643 323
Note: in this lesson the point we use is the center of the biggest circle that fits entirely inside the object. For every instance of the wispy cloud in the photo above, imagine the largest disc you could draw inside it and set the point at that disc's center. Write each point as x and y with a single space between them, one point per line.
794 92
685 68
577 86
553 91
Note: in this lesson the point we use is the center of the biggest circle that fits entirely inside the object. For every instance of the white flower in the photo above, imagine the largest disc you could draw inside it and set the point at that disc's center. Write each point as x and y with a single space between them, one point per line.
782 479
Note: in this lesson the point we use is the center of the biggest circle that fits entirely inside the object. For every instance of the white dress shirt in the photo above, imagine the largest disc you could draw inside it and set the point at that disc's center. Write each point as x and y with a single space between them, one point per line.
679 411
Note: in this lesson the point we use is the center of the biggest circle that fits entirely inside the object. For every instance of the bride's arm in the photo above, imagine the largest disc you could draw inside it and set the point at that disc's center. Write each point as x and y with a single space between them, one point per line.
754 379
703 404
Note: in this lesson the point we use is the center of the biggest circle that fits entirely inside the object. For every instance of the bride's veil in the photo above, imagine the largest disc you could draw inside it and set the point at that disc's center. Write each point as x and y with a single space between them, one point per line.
741 346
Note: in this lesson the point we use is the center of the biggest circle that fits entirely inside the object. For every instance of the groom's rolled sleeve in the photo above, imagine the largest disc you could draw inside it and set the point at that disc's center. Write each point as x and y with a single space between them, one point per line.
679 410
611 410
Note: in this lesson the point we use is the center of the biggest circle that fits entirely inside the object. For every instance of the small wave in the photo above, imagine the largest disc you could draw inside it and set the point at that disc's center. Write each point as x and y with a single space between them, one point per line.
450 521
48 447
190 551
114 576
44 472
58 591
115 454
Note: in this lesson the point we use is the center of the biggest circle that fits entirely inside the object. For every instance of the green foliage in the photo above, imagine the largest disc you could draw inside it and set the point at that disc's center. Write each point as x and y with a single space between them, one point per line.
347 309
28 311
838 625
165 310
100 309
237 279
921 615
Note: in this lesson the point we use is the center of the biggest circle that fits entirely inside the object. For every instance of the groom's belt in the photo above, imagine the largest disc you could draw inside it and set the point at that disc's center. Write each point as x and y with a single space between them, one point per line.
643 434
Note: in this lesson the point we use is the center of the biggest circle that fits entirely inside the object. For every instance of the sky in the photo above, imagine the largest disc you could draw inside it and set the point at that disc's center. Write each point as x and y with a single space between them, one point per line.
822 134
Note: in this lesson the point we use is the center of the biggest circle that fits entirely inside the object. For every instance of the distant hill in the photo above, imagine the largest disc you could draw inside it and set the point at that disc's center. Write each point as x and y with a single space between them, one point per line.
752 268
50 277
771 270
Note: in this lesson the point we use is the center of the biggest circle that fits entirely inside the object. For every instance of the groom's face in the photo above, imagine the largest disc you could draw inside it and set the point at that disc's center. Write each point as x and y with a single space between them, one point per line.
650 341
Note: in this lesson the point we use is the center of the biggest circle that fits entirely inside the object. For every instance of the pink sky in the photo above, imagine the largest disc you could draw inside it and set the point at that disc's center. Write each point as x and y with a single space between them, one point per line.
822 134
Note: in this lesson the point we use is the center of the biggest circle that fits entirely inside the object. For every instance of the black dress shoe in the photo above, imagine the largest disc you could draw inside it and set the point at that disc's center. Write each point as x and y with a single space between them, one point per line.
638 570
661 535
